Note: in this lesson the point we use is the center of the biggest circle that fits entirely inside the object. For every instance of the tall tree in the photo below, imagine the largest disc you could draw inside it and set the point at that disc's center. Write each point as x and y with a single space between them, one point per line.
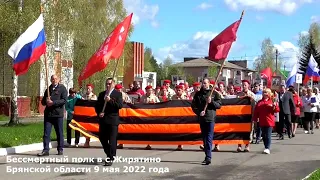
154 64
267 58
147 60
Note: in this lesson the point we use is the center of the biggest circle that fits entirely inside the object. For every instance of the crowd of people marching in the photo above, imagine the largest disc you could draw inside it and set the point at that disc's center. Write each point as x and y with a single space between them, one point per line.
280 111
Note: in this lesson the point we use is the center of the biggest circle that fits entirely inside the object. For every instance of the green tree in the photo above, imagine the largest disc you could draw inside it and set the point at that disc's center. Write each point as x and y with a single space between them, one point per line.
314 34
147 60
267 58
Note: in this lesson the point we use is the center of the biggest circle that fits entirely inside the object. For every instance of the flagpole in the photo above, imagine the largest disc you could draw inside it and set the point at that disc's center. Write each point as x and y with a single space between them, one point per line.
46 62
113 75
220 70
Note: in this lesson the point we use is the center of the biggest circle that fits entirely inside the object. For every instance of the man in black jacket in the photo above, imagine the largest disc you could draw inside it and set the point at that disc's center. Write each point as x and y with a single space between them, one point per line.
207 118
109 119
53 114
287 106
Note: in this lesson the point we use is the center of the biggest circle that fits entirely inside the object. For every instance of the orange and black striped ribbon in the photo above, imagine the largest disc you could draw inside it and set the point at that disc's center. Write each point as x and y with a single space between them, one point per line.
169 123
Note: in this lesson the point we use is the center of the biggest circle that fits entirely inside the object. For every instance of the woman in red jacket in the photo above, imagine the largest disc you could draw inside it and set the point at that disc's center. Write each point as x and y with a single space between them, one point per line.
295 117
264 112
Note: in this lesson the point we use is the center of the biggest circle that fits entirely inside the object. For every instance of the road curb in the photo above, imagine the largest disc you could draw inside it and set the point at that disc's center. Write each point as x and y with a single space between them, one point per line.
305 178
36 147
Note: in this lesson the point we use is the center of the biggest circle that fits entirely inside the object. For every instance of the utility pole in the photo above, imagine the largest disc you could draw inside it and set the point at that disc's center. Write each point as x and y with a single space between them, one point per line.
14 96
277 54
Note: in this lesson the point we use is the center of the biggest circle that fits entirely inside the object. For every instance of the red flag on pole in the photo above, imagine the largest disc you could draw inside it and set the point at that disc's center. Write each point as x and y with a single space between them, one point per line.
111 48
267 74
220 45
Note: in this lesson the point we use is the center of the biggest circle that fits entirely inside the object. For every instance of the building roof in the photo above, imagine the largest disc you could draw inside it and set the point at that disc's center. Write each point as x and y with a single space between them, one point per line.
202 62
197 63
233 66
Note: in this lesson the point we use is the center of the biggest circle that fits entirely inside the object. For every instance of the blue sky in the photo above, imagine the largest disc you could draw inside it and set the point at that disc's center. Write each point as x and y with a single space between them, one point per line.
184 28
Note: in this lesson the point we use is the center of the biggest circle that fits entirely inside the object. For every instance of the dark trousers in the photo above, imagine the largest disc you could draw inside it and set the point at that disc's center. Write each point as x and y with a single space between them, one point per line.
108 137
309 118
284 119
266 136
76 134
57 123
258 132
207 137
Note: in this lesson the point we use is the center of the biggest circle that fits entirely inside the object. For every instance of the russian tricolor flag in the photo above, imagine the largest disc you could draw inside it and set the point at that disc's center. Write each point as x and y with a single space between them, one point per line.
312 71
292 77
29 47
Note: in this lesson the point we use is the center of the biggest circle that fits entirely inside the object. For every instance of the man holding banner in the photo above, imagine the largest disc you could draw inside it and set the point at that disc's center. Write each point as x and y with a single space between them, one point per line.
109 119
208 120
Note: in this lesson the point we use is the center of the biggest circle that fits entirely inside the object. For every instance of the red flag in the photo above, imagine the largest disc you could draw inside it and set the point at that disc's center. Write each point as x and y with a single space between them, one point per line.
267 74
111 48
220 45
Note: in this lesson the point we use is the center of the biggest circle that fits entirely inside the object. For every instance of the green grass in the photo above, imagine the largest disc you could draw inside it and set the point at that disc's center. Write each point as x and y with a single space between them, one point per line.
315 175
4 118
23 134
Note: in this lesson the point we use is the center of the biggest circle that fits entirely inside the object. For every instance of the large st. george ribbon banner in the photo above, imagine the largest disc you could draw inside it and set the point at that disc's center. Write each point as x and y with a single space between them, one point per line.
169 123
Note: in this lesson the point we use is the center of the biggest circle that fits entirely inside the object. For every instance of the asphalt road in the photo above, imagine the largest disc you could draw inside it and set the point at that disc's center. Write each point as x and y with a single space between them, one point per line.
290 159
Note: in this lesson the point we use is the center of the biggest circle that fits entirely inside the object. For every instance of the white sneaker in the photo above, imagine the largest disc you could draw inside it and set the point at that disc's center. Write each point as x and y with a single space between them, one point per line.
266 151
306 132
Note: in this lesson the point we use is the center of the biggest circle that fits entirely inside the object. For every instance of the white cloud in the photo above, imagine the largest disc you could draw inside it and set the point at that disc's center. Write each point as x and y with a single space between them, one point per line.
197 46
142 11
289 52
286 7
204 6
315 19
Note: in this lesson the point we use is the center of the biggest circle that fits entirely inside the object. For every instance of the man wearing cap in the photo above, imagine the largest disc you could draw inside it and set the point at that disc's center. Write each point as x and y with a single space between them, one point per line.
170 91
89 93
180 94
125 97
149 98
196 88
246 92
206 118
91 97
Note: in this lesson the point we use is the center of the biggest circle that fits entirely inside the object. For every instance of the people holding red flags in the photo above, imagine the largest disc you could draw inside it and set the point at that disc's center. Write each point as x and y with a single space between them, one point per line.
207 120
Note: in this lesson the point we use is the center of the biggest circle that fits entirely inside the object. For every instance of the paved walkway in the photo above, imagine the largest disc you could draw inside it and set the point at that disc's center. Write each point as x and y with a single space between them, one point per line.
290 159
